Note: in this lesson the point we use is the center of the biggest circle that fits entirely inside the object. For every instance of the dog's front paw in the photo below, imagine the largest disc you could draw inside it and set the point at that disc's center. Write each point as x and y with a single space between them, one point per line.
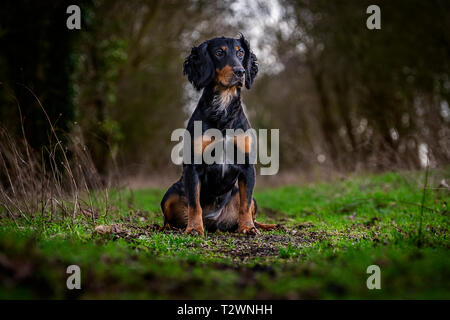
249 230
195 230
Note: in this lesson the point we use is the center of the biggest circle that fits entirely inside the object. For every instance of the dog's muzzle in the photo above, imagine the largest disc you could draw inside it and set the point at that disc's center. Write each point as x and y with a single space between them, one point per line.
238 76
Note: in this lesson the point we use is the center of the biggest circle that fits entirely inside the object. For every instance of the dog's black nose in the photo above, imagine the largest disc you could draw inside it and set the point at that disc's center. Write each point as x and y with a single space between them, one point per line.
239 72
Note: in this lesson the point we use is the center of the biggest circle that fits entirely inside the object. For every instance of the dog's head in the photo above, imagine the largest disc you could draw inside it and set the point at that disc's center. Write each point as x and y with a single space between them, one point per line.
227 62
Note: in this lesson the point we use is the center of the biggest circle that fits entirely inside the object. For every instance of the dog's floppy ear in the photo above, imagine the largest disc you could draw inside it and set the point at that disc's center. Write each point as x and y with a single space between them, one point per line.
198 66
250 63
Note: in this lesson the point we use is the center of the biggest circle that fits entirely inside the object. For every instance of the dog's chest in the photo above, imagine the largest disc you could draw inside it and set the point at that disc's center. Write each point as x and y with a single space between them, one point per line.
220 177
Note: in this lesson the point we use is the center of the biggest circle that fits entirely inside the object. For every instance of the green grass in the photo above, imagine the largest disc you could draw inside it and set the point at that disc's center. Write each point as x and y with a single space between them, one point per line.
331 233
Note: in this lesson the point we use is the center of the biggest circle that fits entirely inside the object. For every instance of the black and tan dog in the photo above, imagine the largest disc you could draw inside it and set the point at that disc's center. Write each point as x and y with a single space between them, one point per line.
209 195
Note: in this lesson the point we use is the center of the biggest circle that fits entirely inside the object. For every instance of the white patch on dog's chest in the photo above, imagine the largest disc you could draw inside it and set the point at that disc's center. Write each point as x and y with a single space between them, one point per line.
224 98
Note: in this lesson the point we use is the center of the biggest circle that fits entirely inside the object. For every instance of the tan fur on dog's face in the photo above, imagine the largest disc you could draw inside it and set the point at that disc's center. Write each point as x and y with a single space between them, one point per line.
224 76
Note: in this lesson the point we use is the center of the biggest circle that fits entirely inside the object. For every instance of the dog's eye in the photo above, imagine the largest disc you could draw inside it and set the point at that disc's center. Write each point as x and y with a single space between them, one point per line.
240 54
219 53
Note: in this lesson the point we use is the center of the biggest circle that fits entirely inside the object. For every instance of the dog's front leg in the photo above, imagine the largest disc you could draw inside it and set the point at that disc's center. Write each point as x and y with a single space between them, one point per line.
246 184
192 189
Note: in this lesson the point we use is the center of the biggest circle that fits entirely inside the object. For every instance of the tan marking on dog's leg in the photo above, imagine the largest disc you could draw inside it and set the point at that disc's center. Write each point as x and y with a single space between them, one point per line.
265 226
175 211
195 220
246 225
262 226
168 206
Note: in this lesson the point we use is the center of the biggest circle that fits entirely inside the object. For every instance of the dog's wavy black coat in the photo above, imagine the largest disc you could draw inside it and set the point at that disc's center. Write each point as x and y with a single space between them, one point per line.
213 196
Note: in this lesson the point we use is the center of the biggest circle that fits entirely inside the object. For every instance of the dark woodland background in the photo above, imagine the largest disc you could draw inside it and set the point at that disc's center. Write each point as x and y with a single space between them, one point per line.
345 98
